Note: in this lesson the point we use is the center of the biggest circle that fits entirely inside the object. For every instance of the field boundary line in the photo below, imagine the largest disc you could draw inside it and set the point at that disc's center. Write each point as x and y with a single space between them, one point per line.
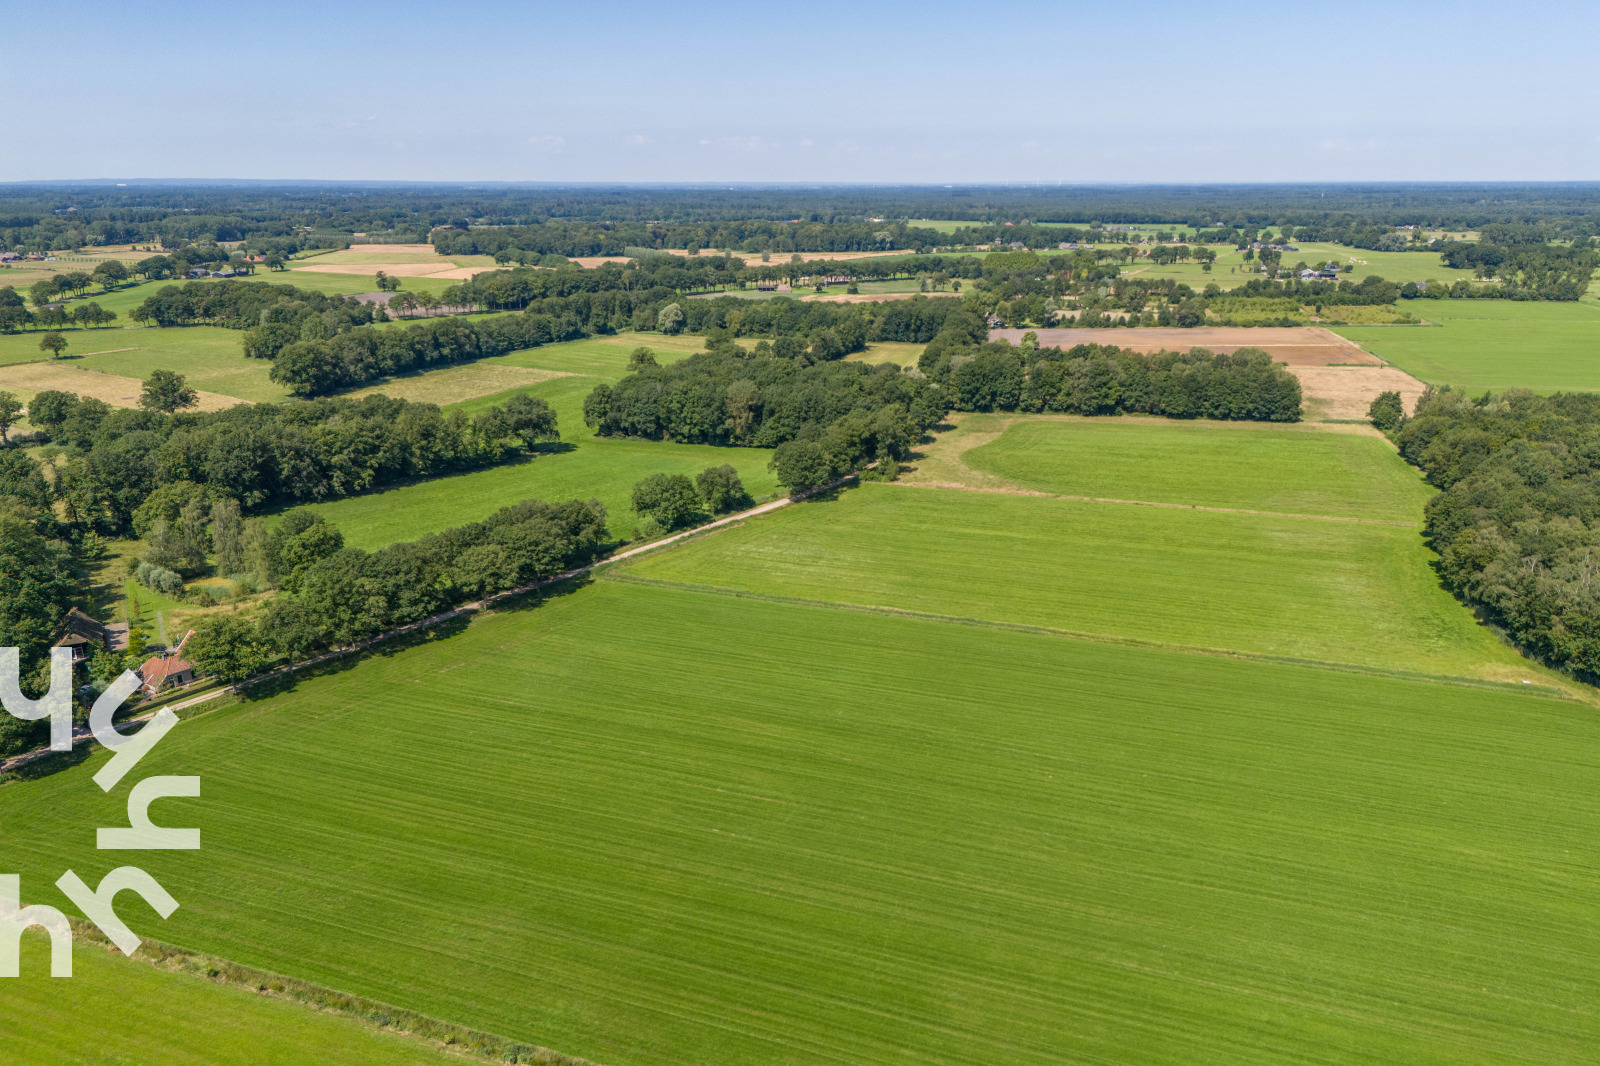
465 1042
1538 688
953 486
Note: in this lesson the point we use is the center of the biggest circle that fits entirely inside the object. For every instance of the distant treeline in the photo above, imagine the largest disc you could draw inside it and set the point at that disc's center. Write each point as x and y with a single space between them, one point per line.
1517 525
261 453
559 237
825 418
1095 379
321 344
43 217
1528 271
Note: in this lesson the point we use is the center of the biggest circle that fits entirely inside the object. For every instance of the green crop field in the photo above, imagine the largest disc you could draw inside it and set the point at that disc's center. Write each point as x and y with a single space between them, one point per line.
598 467
1493 344
654 826
1346 592
116 1011
1392 266
1301 470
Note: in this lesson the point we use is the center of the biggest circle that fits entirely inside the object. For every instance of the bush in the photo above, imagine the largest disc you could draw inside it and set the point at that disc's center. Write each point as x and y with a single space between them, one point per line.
158 578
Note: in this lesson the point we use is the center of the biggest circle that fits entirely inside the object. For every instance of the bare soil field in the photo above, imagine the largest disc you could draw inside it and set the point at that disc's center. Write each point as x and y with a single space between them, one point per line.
1345 392
26 379
441 268
1294 345
589 262
391 249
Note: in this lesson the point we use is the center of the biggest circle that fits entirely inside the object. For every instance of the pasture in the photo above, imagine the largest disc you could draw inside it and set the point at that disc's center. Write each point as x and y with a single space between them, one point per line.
142 1014
653 826
1493 344
1254 466
583 466
1357 593
209 356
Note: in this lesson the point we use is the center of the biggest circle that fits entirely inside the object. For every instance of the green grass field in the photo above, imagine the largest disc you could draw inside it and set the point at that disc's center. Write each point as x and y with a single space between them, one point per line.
1493 344
599 467
1300 470
654 826
116 1011
1304 588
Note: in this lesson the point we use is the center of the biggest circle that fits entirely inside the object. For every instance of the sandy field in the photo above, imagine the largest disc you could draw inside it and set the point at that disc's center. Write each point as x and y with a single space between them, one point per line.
26 379
1294 345
1340 392
441 269
391 249
753 259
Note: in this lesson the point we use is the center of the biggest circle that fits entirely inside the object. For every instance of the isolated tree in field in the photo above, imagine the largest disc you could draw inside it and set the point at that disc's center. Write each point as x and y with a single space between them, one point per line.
10 413
43 292
641 357
54 343
1387 412
720 489
670 320
274 261
668 498
225 647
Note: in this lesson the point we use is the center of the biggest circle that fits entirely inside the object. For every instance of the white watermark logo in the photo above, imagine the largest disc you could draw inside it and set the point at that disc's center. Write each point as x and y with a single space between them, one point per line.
140 834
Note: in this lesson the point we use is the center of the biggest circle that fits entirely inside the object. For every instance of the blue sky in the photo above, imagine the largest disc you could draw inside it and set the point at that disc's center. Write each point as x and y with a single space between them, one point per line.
821 91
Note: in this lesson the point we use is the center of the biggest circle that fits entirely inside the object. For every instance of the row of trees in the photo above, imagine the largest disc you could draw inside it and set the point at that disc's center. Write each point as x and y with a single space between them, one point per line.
1093 379
1517 523
119 461
336 595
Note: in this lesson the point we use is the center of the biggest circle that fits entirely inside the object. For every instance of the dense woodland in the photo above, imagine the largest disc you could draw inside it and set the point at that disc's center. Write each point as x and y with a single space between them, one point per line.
1517 525
287 217
826 418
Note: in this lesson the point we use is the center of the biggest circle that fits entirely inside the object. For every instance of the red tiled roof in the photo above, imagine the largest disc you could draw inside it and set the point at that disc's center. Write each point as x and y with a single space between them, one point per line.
156 670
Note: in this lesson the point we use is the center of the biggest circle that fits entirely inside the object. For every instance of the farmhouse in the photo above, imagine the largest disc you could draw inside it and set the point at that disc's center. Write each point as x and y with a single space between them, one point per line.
169 670
82 634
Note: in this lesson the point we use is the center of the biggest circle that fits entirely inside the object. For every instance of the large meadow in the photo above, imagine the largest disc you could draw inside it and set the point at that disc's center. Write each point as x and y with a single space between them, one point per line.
1114 740
1108 740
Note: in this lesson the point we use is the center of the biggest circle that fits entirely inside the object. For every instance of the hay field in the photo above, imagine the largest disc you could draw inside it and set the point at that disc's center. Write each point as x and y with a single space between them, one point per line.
197 1022
1493 344
656 826
454 384
1345 393
26 379
209 356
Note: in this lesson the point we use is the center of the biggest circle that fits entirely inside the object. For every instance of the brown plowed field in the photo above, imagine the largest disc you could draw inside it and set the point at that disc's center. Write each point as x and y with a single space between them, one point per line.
1294 345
